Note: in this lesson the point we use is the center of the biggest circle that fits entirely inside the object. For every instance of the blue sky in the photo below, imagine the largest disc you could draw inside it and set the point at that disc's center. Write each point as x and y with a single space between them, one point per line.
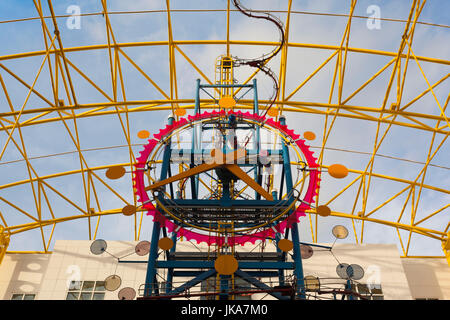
98 132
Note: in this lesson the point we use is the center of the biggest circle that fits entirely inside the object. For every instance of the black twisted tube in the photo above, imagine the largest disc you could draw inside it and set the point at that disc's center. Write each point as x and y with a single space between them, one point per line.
260 63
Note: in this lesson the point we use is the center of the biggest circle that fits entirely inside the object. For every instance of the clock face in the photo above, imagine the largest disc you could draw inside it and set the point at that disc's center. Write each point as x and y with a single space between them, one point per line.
221 176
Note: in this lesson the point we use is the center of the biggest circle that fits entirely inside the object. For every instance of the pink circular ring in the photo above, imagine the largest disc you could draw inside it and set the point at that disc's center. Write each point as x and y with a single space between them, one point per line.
142 196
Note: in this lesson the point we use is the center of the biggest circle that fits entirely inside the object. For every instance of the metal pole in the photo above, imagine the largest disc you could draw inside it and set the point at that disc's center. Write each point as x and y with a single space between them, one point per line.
170 271
194 142
153 254
298 271
257 138
224 285
151 265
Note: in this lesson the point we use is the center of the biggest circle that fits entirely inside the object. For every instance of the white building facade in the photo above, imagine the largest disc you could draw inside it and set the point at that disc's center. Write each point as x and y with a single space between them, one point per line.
71 271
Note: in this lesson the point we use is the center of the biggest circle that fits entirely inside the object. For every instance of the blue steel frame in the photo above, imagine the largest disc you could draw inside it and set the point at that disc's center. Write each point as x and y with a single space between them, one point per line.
280 266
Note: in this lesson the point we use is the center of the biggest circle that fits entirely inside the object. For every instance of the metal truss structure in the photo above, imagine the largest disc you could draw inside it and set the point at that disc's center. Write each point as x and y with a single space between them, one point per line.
61 102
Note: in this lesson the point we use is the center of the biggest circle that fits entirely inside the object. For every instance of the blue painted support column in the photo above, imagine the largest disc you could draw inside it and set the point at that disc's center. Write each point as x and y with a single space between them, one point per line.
280 271
209 264
151 265
298 271
348 287
197 97
255 97
170 271
282 254
257 138
194 146
246 277
201 277
286 163
150 284
224 287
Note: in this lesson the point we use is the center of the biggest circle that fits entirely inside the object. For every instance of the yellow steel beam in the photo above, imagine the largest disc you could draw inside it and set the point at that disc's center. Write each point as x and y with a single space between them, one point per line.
146 76
135 12
419 230
116 79
25 84
61 51
172 65
425 92
339 69
369 80
296 106
19 114
312 75
222 42
446 248
341 109
204 76
4 242
429 86
228 28
378 141
283 60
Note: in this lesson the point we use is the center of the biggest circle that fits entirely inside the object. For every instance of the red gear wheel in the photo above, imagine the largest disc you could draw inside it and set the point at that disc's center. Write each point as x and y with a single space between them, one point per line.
142 196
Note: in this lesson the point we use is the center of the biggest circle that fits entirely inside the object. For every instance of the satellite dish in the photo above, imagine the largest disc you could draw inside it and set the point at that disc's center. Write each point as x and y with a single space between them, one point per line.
127 293
113 282
142 248
341 270
306 251
355 272
312 283
340 232
98 246
352 271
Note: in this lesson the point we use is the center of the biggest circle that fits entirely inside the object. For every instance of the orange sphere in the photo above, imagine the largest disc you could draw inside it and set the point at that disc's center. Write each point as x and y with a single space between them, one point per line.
226 264
180 112
309 135
143 134
338 171
129 210
115 172
227 102
273 112
323 211
165 243
285 245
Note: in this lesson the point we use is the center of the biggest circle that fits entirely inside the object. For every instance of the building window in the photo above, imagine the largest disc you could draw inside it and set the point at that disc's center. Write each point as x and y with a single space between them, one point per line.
86 290
23 296
369 292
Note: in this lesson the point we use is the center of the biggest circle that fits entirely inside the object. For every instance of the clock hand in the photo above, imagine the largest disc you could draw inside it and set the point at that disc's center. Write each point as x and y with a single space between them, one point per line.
217 155
238 172
185 174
